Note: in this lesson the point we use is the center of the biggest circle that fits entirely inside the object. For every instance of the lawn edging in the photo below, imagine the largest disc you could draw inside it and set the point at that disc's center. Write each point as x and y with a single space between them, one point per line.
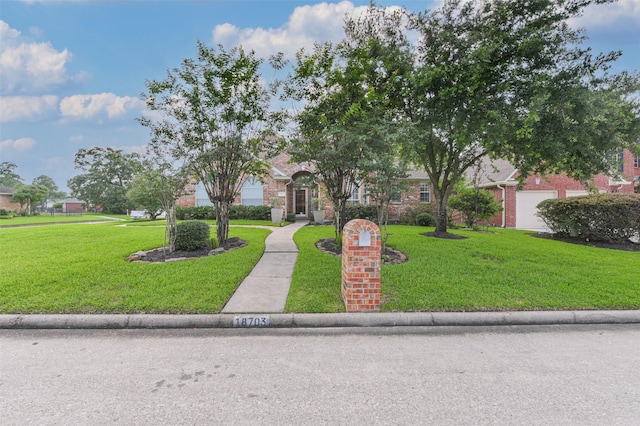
296 320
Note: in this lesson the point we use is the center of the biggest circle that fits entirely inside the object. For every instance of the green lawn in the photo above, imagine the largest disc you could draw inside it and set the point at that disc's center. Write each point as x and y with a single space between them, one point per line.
501 270
45 219
81 269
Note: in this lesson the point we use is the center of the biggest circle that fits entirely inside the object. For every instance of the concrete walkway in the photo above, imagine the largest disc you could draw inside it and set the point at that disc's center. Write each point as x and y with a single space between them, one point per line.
266 288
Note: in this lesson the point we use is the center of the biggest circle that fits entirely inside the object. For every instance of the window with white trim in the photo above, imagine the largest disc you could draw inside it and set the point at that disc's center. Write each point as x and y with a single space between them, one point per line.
396 195
636 161
202 198
355 195
425 192
251 192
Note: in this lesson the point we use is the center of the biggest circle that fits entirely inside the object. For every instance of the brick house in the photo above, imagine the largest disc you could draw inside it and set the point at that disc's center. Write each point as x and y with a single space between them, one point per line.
500 177
5 199
284 182
519 203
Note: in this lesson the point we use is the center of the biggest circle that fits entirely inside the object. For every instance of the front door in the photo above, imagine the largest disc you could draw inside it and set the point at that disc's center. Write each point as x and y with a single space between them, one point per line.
301 202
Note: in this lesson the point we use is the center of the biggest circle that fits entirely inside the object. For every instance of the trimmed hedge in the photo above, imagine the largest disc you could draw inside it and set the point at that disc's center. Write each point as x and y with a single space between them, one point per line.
250 212
600 217
361 211
192 235
235 212
195 213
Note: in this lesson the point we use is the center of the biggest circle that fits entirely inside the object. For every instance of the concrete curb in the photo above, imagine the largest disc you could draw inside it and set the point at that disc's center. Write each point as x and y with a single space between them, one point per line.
390 319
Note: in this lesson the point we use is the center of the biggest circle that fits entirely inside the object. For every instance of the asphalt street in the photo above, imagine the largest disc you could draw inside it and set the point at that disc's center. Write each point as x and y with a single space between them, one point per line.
562 374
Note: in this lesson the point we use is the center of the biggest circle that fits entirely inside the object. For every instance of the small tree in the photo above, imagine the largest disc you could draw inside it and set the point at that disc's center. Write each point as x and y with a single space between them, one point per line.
383 184
214 116
158 185
29 195
475 204
143 192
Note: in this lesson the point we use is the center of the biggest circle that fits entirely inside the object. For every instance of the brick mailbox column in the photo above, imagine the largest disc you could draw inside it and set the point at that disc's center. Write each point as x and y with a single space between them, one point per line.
361 245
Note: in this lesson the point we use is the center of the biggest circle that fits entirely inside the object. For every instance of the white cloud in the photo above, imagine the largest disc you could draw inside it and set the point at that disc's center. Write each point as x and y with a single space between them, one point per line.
14 108
29 67
76 138
306 25
98 106
611 15
22 144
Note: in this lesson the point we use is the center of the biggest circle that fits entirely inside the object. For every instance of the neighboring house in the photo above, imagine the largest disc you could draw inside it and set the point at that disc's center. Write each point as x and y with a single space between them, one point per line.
519 202
73 205
5 199
284 182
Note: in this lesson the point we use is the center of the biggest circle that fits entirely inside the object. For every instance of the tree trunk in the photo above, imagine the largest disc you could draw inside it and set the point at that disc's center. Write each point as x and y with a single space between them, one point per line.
222 221
383 220
339 214
442 198
170 227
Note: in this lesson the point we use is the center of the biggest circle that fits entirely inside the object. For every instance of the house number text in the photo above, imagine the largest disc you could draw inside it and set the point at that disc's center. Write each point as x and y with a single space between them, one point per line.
246 321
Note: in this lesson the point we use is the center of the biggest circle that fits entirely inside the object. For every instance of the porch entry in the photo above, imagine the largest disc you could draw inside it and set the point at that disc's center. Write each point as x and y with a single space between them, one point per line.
301 201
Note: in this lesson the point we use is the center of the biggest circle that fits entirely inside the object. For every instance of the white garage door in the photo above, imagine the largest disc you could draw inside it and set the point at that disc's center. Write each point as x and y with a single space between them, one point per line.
526 202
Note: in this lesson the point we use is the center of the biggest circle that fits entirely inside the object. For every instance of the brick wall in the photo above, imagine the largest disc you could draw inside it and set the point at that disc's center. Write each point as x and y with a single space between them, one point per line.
5 203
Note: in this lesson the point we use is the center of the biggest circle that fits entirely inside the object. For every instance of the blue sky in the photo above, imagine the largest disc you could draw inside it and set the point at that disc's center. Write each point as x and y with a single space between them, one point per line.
72 71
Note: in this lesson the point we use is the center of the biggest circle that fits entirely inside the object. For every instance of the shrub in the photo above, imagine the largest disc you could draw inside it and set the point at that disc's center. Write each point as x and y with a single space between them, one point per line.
195 213
291 217
250 212
6 214
475 205
361 211
411 214
425 219
600 217
192 235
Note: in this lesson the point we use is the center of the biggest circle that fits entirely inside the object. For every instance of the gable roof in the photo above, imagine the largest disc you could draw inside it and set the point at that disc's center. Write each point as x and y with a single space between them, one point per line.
5 190
493 172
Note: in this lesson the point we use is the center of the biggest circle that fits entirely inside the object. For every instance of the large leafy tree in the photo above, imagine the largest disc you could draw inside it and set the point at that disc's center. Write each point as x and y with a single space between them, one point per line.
107 178
509 78
214 115
8 177
347 91
48 182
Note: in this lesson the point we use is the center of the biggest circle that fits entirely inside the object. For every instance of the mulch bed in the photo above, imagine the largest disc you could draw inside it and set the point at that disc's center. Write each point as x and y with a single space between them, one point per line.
389 257
158 255
617 245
